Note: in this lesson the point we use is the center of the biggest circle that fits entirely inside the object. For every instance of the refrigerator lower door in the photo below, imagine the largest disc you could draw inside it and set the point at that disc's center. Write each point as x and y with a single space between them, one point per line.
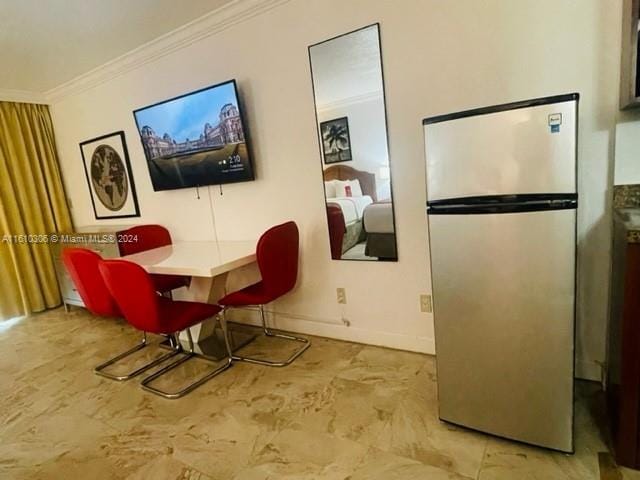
503 287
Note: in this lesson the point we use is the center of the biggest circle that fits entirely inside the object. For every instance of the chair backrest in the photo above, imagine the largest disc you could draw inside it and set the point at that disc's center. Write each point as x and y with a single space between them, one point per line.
132 289
143 237
82 265
337 229
277 255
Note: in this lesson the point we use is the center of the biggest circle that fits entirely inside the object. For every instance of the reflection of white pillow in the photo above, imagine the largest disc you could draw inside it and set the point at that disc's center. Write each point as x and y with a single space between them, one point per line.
356 189
330 188
353 190
340 186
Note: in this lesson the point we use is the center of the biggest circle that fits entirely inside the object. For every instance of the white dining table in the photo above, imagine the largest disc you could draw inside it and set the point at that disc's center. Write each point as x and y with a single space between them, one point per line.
208 263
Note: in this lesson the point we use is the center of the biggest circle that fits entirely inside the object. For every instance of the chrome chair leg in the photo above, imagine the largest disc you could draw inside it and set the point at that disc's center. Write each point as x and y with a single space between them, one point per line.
100 368
272 333
188 356
171 340
225 334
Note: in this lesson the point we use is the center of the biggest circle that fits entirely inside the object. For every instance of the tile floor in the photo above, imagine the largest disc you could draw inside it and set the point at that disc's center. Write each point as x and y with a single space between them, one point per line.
342 411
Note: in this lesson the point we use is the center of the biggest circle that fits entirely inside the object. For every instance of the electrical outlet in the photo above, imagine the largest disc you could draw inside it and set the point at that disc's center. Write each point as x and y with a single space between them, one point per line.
342 295
425 303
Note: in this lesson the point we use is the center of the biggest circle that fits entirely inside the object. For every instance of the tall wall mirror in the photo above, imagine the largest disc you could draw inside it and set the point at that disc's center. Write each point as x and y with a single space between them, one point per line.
349 96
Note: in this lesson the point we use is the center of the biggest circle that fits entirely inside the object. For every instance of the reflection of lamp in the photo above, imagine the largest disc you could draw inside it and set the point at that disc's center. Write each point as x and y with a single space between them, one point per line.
384 173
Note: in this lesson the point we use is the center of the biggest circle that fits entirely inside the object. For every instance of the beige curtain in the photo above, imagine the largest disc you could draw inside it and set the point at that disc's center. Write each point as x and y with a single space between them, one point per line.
32 202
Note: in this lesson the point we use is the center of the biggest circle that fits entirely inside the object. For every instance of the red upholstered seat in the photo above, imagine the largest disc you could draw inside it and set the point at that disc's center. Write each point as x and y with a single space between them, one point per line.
147 237
134 292
252 295
166 283
178 315
337 229
142 238
277 257
82 265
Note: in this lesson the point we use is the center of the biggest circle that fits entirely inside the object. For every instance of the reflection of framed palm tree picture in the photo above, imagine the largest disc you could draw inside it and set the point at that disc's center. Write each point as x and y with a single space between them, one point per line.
336 143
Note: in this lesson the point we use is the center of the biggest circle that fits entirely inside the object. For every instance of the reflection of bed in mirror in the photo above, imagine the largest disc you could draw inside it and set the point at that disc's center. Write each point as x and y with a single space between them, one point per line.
346 72
352 206
350 194
377 222
344 172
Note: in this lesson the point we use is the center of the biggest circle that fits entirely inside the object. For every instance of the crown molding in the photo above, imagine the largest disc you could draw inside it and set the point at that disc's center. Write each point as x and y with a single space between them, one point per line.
21 96
209 24
353 100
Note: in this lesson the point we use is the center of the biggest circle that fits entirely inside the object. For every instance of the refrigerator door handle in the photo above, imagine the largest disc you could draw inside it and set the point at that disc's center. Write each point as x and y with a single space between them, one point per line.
502 208
504 198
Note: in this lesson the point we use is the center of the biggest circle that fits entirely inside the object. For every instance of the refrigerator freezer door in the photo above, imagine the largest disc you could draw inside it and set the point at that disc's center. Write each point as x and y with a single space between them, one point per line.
503 289
526 150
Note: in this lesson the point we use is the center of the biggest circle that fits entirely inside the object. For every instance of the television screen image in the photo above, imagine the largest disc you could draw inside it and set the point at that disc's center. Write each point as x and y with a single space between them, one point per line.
196 139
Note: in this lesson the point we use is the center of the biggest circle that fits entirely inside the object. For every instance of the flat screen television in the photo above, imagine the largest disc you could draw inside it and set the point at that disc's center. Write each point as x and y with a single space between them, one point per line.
196 139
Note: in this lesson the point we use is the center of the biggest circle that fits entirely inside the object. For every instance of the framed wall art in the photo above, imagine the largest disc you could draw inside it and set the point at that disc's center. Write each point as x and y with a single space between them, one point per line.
630 73
109 178
336 143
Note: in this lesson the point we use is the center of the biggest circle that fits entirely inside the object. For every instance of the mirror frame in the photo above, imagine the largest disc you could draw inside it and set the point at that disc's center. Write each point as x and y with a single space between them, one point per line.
386 129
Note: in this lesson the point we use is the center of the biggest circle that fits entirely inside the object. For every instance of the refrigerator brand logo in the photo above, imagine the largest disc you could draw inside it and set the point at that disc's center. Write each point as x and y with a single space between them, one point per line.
555 120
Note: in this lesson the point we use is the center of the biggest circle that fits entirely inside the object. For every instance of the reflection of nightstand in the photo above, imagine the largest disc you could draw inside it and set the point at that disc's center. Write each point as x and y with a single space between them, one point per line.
92 238
377 221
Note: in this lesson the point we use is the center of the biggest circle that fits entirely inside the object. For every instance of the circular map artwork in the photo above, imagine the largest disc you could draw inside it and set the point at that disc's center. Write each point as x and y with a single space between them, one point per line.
109 177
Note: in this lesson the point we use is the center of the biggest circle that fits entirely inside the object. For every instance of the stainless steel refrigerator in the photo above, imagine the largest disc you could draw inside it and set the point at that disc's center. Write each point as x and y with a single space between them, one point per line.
502 200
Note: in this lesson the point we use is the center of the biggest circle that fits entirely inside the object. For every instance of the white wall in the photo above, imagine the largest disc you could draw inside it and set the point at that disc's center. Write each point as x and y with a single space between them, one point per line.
438 56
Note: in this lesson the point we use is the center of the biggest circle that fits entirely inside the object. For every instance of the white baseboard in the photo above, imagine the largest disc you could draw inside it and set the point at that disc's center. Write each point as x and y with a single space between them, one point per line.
335 329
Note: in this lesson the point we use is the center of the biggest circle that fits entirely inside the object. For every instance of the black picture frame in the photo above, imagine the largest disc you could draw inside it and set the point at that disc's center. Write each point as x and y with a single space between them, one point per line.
336 127
110 143
630 64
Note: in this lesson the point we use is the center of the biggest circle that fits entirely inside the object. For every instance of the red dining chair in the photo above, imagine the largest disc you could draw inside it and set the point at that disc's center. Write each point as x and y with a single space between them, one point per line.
337 229
134 292
277 256
82 265
147 237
